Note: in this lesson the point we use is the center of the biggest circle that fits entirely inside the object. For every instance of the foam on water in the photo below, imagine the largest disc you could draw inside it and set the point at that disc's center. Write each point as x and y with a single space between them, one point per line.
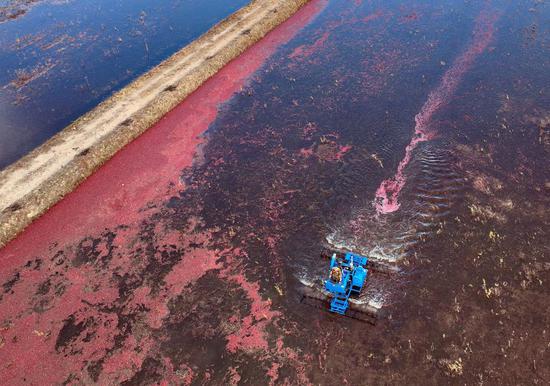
381 239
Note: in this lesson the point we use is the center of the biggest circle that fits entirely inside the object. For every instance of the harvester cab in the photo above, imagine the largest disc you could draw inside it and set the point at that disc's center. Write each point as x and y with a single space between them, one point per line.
347 277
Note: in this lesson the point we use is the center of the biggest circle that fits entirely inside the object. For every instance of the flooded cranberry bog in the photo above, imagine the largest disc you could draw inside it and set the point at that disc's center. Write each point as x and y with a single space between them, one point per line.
416 133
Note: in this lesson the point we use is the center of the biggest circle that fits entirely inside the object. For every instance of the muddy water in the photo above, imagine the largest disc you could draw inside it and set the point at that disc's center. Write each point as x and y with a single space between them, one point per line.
61 58
386 129
418 133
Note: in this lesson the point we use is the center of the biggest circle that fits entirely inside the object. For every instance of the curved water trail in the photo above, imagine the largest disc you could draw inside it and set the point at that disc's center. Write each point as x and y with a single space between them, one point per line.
387 194
436 186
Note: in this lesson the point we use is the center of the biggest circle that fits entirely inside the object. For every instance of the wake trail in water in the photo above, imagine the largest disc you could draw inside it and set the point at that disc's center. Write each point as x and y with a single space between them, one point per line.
389 240
387 194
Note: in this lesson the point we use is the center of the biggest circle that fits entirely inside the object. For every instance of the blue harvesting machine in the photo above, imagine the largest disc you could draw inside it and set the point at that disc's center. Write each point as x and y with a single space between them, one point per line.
347 277
346 280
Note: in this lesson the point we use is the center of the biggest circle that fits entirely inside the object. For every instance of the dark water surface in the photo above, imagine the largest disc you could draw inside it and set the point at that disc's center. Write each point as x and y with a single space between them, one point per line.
61 58
307 145
294 163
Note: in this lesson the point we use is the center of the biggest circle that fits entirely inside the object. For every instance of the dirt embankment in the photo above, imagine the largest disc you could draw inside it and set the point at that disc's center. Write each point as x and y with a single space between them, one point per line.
40 179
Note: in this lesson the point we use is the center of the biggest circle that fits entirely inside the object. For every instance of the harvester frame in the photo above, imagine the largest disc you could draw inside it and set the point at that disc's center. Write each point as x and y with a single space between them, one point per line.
340 290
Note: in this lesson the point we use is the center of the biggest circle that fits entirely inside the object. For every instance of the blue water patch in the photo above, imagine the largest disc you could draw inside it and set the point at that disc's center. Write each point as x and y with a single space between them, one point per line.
61 58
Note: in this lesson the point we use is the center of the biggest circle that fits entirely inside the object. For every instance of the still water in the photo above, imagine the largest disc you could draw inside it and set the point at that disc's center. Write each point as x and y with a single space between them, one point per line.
59 59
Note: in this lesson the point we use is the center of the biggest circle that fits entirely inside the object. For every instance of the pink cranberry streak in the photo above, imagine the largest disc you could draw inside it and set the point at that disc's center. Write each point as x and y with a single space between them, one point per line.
387 194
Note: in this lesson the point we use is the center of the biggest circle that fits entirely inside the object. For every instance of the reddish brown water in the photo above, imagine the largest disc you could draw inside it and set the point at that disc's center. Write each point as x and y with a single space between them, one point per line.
160 269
